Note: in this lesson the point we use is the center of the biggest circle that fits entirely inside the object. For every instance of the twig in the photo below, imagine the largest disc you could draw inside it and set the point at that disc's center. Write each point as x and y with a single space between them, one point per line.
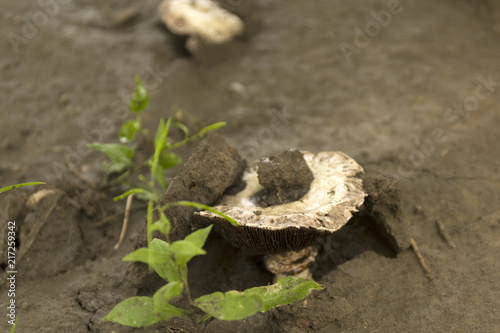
77 173
106 220
420 258
444 233
125 221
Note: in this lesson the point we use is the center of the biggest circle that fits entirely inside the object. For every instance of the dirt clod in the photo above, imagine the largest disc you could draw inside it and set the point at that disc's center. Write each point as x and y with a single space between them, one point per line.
383 205
285 177
212 168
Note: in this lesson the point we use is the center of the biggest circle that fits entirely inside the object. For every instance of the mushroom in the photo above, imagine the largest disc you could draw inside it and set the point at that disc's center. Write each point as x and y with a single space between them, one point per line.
203 20
285 233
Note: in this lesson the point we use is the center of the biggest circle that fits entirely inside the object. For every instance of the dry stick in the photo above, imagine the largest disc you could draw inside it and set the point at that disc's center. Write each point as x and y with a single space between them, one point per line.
125 221
420 258
444 234
75 170
105 220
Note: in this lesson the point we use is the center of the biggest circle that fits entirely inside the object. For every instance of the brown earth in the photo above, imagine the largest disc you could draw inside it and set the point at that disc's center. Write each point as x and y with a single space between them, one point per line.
412 101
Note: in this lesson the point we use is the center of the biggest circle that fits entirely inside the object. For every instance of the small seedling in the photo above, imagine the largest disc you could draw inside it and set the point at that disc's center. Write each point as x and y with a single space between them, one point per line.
122 156
169 261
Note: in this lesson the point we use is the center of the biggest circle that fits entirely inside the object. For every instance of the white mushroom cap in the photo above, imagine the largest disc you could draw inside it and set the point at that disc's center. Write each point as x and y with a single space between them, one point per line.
203 20
334 194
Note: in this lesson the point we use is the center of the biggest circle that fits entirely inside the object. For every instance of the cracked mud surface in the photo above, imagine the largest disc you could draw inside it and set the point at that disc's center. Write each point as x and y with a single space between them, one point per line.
285 83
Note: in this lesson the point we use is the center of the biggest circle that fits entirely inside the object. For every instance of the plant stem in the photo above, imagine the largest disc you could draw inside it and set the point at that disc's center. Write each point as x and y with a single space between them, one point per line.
188 292
149 222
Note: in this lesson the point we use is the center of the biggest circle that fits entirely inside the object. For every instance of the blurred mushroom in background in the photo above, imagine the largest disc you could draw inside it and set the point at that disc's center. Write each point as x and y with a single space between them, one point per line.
204 21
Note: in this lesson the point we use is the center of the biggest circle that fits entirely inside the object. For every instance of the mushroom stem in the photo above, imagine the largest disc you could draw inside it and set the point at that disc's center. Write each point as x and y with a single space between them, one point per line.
291 263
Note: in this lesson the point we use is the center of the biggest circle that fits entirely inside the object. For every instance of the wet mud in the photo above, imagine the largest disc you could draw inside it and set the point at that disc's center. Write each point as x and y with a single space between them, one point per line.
415 100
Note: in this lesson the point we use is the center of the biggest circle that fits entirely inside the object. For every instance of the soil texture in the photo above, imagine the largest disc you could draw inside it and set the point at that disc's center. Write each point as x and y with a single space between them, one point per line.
409 89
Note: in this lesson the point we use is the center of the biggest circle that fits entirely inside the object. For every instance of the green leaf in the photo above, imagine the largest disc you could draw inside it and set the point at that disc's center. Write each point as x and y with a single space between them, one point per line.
285 291
140 97
172 311
235 305
168 291
136 312
159 175
117 167
162 225
14 326
199 237
182 127
128 130
184 250
162 260
153 256
136 191
204 319
121 156
198 135
11 187
161 247
161 136
141 255
162 297
166 224
159 131
201 206
212 127
232 305
169 159
159 256
157 171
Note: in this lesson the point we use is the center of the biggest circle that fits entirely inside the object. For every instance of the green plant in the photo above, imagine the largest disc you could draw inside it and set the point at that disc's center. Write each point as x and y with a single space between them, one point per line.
11 187
169 259
122 155
14 326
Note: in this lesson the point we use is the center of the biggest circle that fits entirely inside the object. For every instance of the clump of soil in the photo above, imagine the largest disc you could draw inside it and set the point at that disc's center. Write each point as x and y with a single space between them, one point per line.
384 206
212 168
285 178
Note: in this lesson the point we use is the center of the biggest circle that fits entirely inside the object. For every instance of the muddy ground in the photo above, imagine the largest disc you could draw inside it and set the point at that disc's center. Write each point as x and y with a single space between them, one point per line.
418 101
